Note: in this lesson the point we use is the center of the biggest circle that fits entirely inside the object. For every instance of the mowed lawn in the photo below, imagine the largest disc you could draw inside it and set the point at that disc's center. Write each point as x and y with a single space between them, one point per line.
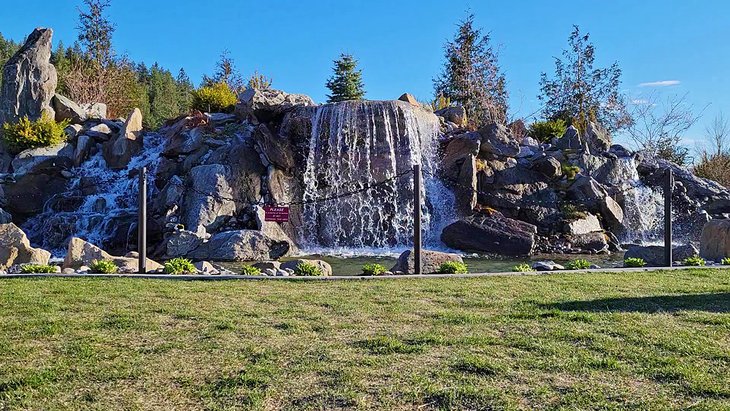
564 341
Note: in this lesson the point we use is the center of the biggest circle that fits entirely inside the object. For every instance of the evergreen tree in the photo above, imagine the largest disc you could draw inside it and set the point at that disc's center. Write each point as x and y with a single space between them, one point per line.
580 93
95 32
163 96
471 76
226 72
184 88
7 49
346 82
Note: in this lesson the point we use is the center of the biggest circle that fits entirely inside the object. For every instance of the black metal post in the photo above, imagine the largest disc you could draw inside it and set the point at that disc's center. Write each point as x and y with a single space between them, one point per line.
417 219
668 188
142 221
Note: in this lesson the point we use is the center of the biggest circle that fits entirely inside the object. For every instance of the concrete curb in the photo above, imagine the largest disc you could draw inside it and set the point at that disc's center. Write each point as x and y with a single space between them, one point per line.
349 278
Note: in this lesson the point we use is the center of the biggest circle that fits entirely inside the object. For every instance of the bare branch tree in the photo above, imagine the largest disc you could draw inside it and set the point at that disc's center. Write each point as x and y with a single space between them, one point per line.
718 133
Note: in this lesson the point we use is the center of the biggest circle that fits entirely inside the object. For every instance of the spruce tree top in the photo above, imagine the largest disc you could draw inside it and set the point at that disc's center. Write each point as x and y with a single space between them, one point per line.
346 82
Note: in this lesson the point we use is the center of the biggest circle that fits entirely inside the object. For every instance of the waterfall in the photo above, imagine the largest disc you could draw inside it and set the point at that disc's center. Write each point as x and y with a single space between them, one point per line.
643 206
103 202
355 143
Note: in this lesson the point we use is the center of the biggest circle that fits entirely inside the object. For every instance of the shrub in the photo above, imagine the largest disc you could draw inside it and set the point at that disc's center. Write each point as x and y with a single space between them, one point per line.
307 269
725 261
453 267
37 269
216 98
250 270
714 167
27 134
579 264
634 262
179 266
570 171
103 267
373 269
522 268
544 131
572 213
694 260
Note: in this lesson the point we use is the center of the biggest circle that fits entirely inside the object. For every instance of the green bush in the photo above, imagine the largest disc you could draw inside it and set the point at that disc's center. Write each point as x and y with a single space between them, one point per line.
373 269
570 171
572 212
27 134
37 269
725 261
103 267
544 131
453 267
306 269
250 270
694 260
634 262
579 264
216 98
522 268
179 266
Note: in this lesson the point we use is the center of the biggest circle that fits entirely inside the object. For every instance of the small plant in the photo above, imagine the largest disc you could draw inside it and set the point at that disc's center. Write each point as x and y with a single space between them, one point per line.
522 268
544 131
572 213
373 269
179 266
694 261
634 262
453 267
216 98
27 134
37 269
570 171
725 261
103 267
307 269
579 264
250 270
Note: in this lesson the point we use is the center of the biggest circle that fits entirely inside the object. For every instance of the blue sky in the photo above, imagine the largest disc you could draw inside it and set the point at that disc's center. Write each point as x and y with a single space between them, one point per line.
680 46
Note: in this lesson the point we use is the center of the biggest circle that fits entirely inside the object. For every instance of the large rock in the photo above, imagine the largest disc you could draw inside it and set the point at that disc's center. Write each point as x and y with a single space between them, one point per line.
454 114
548 165
430 261
67 110
585 225
409 98
15 248
29 193
459 167
29 80
84 145
497 140
269 104
94 110
209 203
181 243
715 240
653 255
591 242
28 159
241 245
82 253
490 233
323 265
571 140
118 152
597 138
276 150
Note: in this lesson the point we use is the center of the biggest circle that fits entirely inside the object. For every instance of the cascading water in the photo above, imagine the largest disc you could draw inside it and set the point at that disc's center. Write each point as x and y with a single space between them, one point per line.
103 202
363 143
643 206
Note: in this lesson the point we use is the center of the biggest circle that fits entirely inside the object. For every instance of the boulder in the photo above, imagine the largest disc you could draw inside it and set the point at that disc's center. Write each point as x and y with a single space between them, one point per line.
592 242
653 255
276 150
587 191
181 243
267 265
84 144
546 266
67 110
100 132
117 153
490 233
549 166
81 253
597 138
459 168
28 194
430 261
585 225
715 240
206 268
29 80
292 265
497 140
269 104
241 245
612 212
94 110
454 114
28 159
209 204
571 140
184 142
409 98
15 248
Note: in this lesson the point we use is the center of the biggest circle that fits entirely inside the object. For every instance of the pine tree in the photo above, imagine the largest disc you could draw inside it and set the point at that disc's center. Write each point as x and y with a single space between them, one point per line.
226 72
346 82
184 88
163 96
580 93
471 76
95 32
7 49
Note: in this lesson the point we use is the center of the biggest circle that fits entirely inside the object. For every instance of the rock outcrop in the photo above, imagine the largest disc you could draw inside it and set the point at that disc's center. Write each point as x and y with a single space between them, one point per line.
29 80
15 248
715 240
430 261
118 152
491 233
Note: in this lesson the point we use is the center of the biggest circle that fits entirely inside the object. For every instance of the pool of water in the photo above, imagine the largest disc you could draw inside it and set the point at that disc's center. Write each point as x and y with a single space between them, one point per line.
352 265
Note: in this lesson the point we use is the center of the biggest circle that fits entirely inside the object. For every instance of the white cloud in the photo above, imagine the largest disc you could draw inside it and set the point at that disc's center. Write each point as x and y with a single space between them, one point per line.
663 83
639 101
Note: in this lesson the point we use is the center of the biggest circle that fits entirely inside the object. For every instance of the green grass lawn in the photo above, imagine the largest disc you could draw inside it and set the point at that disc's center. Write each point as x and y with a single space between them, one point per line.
565 341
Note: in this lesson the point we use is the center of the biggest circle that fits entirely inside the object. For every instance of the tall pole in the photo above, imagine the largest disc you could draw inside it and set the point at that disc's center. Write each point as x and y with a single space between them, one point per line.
417 218
668 188
142 221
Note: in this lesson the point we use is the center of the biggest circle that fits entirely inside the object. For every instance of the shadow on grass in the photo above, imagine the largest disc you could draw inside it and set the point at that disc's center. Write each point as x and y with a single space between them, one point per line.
712 302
